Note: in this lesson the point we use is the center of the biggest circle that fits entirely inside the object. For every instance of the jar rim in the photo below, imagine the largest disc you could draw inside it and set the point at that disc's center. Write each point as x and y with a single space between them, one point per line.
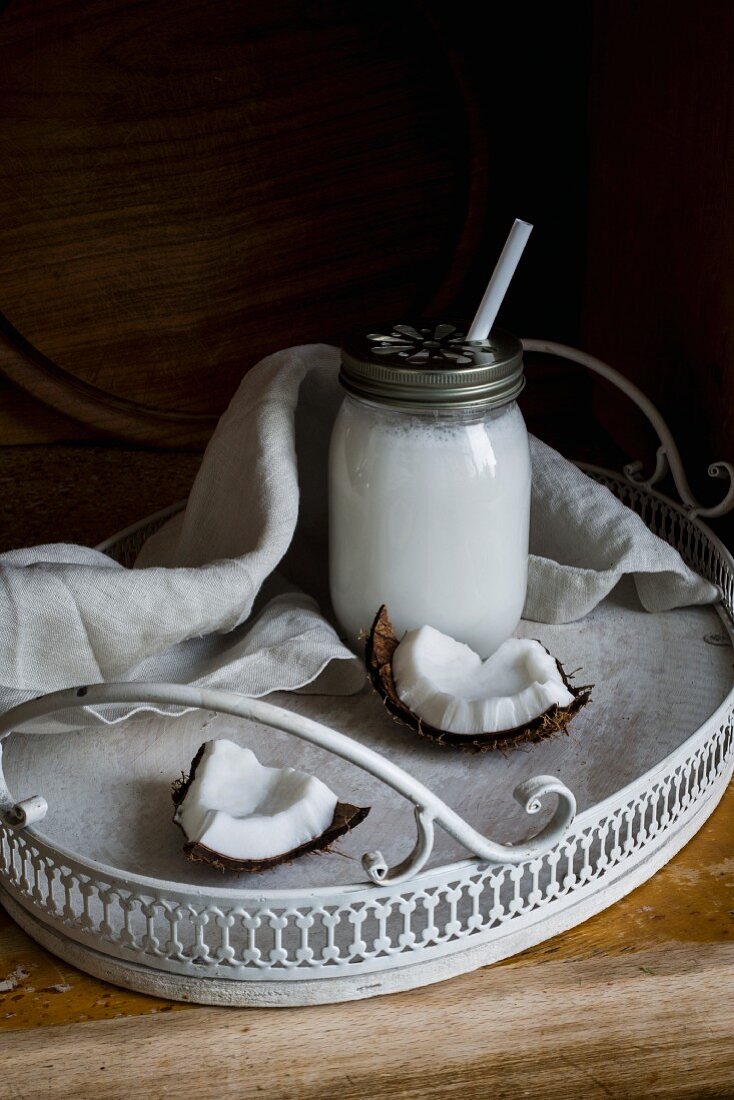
475 412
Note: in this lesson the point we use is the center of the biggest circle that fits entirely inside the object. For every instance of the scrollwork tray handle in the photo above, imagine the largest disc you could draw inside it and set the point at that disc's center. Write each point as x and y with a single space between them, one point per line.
667 459
430 810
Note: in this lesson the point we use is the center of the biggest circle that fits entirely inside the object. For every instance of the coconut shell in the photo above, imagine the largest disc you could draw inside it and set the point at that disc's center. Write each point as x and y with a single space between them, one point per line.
382 642
346 817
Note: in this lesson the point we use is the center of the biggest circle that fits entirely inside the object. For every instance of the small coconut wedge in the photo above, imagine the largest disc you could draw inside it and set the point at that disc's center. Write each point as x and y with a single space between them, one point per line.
521 710
239 815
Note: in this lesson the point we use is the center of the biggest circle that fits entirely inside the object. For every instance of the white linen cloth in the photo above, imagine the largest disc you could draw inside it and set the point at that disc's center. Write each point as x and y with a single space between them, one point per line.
204 605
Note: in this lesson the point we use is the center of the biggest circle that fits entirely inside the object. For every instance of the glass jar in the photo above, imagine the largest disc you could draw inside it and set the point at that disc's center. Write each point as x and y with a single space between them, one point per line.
429 485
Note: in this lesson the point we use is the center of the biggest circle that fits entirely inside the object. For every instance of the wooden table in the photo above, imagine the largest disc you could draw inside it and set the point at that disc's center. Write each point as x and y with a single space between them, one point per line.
637 1002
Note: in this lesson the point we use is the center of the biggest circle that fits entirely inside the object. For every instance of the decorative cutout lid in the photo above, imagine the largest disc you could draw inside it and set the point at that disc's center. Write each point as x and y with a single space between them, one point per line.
433 366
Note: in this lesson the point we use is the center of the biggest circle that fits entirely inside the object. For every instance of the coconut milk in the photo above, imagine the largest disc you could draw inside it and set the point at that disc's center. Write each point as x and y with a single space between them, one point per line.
429 514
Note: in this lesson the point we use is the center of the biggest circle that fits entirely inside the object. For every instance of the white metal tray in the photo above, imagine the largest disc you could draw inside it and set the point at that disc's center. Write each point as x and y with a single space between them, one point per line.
101 880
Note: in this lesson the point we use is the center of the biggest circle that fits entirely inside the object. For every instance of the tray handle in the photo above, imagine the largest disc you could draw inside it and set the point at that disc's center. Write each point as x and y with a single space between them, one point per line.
667 458
429 809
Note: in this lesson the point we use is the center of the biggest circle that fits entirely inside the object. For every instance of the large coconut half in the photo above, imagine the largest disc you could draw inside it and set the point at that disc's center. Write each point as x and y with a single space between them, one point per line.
444 691
240 815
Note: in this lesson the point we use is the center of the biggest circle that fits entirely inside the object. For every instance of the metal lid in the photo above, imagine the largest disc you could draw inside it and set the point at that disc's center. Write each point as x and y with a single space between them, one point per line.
432 366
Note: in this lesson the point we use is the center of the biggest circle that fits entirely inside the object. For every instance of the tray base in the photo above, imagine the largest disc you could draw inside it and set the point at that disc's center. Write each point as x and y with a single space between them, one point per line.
657 680
280 994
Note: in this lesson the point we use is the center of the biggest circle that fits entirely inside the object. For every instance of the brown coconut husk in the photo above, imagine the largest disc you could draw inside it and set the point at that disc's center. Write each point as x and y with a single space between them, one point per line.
382 642
346 818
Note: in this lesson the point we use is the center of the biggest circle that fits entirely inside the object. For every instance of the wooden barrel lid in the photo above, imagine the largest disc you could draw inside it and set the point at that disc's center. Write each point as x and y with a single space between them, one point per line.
186 187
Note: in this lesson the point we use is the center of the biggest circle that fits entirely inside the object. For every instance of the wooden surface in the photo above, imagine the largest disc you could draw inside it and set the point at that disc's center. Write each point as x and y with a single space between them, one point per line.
84 493
185 187
188 187
660 269
637 1002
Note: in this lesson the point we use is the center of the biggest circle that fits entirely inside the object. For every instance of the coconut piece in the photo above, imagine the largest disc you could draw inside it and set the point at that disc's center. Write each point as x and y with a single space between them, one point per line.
240 815
449 686
444 691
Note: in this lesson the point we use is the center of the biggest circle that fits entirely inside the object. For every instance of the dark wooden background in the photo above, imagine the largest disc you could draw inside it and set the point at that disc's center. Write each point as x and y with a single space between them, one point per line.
185 187
659 286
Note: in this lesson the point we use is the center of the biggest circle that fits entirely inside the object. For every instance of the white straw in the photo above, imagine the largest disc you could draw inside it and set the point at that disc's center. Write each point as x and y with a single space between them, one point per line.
494 295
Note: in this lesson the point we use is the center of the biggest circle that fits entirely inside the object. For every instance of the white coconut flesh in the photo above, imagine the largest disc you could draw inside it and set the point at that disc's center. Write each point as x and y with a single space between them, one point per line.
239 808
451 688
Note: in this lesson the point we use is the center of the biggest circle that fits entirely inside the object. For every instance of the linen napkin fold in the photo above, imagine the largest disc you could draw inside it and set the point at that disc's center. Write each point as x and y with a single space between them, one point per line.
207 602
